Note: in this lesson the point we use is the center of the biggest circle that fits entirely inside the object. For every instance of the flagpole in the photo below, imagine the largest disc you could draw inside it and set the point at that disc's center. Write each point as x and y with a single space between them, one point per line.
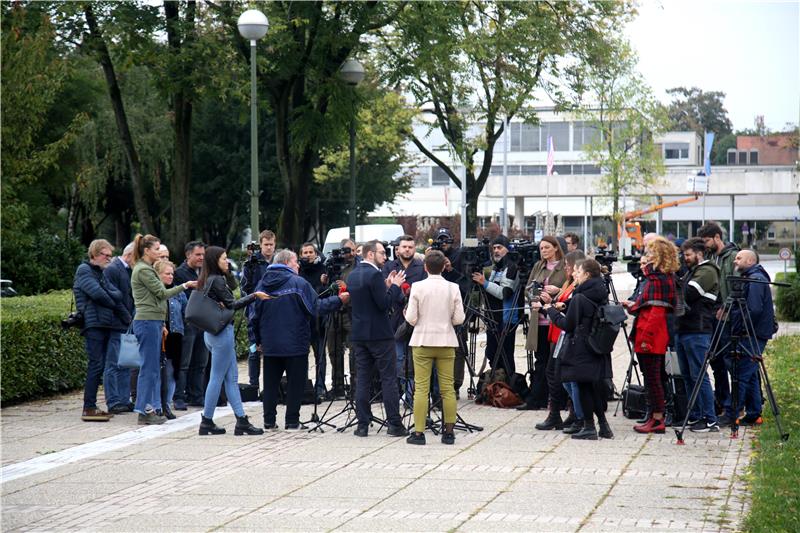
550 161
504 222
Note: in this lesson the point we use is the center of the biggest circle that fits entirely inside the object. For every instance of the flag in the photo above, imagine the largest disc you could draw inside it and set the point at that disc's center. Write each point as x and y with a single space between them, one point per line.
707 150
551 155
446 194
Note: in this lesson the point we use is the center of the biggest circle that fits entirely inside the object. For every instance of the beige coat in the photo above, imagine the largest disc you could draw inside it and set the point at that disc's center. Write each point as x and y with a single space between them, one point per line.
434 307
539 273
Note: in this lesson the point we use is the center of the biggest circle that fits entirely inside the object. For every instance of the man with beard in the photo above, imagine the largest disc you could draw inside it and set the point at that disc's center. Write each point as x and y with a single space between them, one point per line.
700 287
759 304
506 309
722 254
312 269
404 261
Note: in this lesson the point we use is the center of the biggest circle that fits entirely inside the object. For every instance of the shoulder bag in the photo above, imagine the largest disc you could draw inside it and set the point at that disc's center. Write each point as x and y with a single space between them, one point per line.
205 313
129 356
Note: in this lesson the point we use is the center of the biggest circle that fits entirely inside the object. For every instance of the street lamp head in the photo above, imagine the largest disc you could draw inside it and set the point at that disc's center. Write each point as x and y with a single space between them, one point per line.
352 72
252 24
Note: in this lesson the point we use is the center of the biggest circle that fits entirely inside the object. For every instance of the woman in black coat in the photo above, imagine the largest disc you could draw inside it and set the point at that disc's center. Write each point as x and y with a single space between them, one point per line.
578 362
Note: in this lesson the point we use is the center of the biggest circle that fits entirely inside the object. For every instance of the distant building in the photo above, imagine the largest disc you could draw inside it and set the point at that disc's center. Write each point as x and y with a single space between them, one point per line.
773 149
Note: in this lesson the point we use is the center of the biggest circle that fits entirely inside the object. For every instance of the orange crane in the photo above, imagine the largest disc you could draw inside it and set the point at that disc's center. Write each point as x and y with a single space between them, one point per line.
633 227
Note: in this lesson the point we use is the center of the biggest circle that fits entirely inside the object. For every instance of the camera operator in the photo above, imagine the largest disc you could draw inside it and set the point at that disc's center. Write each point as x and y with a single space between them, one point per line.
549 274
762 314
312 268
723 255
506 311
339 325
404 261
700 289
454 273
252 271
648 238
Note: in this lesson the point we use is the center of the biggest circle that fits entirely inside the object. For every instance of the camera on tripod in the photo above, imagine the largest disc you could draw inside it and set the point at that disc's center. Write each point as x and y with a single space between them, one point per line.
634 265
606 257
524 254
439 242
338 259
474 258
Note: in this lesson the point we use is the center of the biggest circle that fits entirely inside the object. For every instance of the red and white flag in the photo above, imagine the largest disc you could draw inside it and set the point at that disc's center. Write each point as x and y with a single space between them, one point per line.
551 155
446 195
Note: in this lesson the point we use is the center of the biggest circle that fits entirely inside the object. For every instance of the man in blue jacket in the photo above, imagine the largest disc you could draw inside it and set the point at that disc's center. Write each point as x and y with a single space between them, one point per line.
758 299
372 337
282 333
117 380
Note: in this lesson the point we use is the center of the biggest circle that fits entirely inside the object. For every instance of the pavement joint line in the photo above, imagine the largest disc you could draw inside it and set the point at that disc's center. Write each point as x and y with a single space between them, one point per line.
614 483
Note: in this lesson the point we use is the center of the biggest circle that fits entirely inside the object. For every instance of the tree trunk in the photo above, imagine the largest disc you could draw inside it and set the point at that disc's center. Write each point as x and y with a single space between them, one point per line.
182 113
99 45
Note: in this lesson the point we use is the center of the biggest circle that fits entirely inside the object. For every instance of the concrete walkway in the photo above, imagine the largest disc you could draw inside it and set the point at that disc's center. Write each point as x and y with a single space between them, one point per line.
63 474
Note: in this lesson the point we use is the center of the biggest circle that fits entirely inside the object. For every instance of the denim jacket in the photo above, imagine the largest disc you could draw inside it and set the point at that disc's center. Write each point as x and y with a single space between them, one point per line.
176 309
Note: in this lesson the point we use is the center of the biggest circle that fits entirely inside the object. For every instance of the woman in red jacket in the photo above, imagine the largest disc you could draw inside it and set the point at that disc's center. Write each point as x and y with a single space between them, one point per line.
650 336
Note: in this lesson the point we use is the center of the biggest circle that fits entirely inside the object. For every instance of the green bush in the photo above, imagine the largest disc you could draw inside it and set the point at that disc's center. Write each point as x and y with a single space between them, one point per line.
38 356
41 262
787 299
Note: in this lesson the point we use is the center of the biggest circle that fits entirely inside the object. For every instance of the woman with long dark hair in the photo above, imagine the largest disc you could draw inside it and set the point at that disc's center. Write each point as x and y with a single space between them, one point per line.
224 368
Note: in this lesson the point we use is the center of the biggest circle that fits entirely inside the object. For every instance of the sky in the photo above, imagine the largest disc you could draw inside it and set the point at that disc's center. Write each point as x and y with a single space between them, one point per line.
746 49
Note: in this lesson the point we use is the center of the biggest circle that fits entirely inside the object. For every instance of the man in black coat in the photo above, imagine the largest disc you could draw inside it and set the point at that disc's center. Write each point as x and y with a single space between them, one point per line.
116 379
372 337
189 386
312 268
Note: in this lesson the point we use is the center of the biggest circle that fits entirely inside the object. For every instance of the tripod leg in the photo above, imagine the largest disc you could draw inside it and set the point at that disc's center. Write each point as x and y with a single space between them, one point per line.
773 402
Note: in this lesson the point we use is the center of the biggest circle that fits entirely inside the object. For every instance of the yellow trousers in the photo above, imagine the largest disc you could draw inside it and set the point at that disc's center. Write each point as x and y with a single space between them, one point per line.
424 358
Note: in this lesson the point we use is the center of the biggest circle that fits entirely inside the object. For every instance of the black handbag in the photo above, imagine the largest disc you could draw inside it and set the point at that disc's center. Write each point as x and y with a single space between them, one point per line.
404 332
205 313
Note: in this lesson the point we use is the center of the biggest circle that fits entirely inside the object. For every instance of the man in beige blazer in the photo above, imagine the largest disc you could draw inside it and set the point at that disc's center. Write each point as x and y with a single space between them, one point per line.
434 307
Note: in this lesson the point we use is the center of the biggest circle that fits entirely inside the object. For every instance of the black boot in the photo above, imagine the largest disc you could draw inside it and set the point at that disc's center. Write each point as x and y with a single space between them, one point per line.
570 419
168 413
589 432
573 428
244 427
553 421
604 431
208 427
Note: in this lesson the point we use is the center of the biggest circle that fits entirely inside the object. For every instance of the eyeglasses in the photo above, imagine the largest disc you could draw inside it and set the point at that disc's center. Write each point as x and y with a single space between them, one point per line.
107 256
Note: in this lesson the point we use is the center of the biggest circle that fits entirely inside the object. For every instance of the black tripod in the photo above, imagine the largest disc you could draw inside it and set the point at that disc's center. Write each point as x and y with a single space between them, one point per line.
632 364
334 325
742 344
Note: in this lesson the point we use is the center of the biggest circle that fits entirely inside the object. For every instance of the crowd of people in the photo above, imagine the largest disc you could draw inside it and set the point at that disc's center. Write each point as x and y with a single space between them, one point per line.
298 304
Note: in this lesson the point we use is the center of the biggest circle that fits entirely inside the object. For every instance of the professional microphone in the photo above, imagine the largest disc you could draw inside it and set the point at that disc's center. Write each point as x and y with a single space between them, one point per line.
405 287
342 288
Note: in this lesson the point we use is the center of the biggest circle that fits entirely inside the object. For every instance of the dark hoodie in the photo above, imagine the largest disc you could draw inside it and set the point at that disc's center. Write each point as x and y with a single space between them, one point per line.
282 325
759 303
578 362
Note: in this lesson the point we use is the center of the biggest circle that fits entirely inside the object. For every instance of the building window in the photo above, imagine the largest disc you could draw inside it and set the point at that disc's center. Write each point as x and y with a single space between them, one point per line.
529 138
584 134
532 170
560 133
421 177
753 157
439 177
591 170
742 158
731 156
562 170
676 150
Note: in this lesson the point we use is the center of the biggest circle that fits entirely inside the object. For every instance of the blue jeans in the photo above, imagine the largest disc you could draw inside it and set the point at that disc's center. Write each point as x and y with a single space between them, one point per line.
97 340
572 389
406 384
223 371
691 349
749 385
148 386
116 380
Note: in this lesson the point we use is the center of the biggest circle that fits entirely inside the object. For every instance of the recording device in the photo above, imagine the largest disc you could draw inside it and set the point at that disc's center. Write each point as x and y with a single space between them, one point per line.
253 246
606 257
533 292
524 254
73 320
474 258
338 259
440 241
634 265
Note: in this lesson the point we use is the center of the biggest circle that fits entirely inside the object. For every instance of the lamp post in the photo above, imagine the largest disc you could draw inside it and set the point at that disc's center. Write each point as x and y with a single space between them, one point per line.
253 26
352 72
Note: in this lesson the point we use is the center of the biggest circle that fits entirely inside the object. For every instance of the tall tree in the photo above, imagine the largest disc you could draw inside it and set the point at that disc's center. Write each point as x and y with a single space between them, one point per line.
700 111
481 62
307 43
623 109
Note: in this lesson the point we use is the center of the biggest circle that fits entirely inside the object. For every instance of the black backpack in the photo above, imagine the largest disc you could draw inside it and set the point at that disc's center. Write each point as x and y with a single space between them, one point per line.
606 323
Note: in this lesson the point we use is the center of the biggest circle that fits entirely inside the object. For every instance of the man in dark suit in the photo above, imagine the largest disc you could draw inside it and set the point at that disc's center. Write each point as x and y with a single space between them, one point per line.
116 379
372 337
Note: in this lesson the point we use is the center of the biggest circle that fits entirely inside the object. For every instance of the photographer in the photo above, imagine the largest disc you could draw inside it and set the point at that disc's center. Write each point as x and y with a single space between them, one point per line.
337 333
312 269
762 314
252 272
102 306
545 280
650 336
404 261
506 311
700 288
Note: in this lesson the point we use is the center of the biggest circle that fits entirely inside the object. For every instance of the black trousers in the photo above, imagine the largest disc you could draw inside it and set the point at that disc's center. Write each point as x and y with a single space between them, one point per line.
592 400
539 381
555 389
461 356
505 360
380 356
296 368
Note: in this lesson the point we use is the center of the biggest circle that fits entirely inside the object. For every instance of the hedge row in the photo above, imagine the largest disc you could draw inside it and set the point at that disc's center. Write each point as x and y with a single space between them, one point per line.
40 358
787 299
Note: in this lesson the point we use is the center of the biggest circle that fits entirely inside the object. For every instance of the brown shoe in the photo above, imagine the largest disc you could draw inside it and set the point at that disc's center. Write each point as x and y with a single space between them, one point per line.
95 415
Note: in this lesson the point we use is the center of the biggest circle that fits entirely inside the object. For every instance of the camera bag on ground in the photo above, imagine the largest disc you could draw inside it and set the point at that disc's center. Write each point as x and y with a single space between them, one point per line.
606 323
309 394
499 394
634 402
249 393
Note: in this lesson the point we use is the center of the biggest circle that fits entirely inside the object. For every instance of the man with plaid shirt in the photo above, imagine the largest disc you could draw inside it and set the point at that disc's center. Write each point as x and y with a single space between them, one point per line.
700 288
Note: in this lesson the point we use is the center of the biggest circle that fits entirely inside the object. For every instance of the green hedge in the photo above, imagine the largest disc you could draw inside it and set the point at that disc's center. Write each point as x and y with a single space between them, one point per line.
787 299
38 356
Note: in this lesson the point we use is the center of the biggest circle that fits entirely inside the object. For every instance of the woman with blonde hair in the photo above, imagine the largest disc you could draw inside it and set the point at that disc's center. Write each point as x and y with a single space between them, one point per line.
650 335
172 336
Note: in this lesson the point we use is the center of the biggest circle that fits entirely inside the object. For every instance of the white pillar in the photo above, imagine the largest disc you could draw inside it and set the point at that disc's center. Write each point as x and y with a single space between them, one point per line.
659 215
585 221
519 212
733 217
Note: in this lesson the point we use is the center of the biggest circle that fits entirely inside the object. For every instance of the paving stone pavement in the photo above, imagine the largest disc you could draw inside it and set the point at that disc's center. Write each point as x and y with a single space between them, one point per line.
60 474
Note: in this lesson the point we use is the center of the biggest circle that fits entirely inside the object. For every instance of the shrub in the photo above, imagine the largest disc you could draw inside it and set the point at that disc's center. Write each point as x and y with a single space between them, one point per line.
787 299
38 356
41 262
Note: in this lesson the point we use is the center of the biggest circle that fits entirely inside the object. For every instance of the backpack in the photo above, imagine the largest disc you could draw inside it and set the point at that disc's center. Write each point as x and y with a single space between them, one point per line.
606 323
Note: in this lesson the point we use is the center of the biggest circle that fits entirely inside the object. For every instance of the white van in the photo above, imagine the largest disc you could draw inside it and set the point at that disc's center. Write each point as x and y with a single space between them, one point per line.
367 232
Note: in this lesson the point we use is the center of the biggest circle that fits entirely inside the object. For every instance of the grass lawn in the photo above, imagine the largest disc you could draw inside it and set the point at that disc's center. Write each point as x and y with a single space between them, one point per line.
775 471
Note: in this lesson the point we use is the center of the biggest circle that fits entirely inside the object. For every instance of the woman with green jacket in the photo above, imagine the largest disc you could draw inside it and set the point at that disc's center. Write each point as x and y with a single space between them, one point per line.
150 299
